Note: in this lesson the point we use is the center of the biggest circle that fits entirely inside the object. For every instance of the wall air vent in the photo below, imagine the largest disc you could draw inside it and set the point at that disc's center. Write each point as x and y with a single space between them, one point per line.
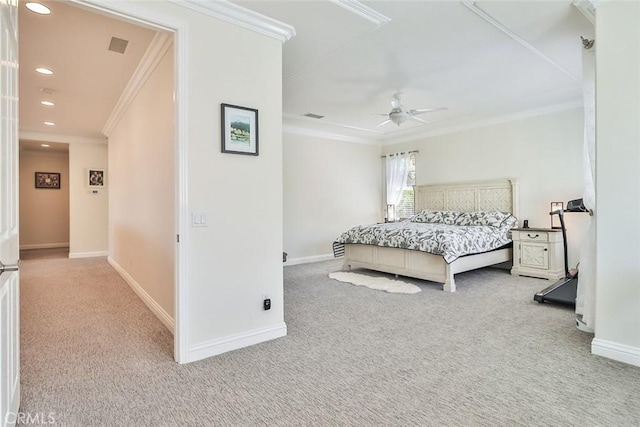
314 116
118 45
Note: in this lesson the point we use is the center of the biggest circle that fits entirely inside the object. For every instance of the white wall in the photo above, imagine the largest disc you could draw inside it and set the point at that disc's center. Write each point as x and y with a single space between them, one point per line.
329 186
617 323
44 213
88 211
238 257
543 153
142 229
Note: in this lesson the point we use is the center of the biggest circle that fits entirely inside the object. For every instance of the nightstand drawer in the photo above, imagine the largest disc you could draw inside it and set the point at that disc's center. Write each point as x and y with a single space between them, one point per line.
534 236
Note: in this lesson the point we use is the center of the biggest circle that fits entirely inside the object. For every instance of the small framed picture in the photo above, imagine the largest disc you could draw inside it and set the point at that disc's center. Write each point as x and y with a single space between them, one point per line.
48 180
239 130
96 178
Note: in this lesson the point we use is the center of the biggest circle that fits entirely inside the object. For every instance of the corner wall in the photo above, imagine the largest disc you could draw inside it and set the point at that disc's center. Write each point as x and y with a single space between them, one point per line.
142 234
329 187
44 213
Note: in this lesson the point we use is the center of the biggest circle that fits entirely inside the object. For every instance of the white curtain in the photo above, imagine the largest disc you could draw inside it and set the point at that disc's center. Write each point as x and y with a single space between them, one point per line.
585 300
397 172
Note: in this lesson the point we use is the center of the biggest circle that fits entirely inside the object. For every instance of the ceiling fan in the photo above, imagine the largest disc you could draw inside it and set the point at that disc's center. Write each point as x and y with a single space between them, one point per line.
399 114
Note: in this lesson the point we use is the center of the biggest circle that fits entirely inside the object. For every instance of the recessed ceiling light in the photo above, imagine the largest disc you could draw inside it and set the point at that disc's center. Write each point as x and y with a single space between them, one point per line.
49 123
42 70
47 103
45 145
38 8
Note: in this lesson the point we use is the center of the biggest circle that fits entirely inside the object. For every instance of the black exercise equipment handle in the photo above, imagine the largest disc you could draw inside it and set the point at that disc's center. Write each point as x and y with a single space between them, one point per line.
560 213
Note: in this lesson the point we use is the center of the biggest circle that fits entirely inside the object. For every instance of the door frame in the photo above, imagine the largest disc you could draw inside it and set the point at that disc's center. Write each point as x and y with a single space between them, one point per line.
9 228
133 13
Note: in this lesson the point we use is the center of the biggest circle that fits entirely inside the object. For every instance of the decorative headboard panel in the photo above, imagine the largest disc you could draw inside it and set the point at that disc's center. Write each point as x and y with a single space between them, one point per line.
500 195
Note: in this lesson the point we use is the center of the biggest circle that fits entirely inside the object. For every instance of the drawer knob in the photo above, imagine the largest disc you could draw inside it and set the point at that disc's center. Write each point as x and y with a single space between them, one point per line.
533 237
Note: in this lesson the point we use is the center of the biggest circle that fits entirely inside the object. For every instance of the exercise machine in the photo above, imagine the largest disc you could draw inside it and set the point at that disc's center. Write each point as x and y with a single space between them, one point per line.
563 291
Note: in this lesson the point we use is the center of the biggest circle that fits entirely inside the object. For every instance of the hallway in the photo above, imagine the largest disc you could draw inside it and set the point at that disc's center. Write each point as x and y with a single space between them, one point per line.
85 339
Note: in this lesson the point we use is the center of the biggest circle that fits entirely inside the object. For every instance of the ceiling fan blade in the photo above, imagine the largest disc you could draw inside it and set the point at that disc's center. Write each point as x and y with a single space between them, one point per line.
418 120
384 123
426 110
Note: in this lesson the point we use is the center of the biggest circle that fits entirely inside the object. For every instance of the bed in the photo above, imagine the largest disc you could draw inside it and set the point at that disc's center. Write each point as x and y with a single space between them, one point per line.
464 197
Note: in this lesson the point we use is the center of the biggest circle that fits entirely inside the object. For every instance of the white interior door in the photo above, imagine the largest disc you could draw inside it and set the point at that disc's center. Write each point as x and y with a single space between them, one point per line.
9 277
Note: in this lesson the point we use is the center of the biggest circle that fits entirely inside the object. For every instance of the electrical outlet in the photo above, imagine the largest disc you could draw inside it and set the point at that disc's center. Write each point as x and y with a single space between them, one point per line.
266 302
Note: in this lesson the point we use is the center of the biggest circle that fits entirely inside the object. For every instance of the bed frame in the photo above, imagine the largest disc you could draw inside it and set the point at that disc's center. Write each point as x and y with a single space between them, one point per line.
492 195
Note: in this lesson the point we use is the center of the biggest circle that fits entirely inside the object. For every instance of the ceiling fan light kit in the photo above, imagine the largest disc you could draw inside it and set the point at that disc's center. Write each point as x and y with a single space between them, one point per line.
399 114
398 117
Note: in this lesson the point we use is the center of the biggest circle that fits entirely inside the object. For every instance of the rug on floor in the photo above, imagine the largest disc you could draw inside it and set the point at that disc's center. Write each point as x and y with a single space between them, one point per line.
376 282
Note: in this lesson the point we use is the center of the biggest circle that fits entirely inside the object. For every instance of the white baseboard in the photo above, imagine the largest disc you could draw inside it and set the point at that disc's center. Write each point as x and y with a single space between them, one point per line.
235 342
309 259
615 351
155 308
88 254
44 246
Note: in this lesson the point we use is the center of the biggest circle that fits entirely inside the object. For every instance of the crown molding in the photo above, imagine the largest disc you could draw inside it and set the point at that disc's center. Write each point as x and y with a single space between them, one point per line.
471 5
363 10
54 137
152 57
292 118
296 130
243 17
550 109
381 140
587 8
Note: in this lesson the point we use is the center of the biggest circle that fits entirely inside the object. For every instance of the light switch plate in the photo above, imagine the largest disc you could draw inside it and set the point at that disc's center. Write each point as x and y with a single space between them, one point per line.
199 219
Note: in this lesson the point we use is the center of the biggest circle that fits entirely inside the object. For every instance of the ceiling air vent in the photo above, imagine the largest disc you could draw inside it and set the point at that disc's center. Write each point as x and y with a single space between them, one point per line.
118 45
314 116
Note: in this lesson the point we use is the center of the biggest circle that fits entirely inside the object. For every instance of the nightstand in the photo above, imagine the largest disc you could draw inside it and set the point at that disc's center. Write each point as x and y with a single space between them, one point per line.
538 252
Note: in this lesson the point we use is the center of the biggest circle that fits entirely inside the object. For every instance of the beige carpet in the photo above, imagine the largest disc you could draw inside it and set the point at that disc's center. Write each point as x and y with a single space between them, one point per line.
487 355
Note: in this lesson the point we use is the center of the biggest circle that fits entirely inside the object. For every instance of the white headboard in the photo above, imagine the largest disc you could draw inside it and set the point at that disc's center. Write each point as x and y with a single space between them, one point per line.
500 195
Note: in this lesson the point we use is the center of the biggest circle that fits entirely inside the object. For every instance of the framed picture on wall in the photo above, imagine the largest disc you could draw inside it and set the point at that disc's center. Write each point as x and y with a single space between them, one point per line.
239 130
96 178
48 180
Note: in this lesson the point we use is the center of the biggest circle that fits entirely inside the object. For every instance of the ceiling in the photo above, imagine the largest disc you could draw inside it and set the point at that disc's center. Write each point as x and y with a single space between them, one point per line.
59 147
485 61
88 78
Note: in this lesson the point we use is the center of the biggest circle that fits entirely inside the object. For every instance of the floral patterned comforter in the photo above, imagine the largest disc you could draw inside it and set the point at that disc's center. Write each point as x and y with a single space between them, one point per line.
450 241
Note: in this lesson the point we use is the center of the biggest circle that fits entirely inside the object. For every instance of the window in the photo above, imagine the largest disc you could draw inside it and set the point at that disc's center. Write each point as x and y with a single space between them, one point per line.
405 208
400 179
